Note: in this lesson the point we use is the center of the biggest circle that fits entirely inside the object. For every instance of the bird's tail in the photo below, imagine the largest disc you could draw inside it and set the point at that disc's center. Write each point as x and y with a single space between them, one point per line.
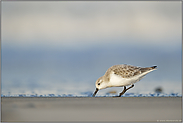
148 68
153 67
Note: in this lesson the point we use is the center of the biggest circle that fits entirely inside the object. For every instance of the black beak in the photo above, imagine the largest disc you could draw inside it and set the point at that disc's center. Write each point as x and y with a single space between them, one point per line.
95 92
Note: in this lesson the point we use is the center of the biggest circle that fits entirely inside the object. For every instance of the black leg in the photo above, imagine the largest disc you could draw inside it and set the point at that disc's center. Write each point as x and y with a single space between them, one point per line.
130 87
124 90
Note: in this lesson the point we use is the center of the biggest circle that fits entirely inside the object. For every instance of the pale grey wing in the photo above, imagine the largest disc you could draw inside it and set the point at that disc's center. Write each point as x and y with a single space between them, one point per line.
143 70
126 71
147 69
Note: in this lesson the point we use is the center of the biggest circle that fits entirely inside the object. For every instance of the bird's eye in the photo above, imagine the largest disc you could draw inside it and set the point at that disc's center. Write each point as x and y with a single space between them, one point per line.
98 83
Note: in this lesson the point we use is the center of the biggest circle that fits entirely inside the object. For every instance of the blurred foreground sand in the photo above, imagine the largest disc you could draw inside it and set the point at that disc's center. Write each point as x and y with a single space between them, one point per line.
91 109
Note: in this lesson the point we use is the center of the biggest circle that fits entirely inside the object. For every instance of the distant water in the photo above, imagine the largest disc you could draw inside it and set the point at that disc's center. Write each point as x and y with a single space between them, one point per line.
64 72
89 94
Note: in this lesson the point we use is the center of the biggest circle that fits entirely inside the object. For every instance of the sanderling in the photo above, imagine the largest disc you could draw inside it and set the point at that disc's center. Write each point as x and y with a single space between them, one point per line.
122 76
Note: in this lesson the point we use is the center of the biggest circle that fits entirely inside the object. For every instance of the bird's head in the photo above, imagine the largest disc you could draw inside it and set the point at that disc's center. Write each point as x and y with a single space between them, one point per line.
100 84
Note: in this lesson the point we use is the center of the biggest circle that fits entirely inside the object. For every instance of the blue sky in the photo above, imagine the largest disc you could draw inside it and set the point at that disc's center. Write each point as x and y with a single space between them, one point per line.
64 47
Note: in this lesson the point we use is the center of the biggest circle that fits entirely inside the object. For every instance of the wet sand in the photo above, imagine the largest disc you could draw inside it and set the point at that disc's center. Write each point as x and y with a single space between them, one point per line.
22 109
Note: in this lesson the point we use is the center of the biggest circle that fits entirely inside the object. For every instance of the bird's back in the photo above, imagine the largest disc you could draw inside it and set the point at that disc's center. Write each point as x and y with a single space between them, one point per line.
127 71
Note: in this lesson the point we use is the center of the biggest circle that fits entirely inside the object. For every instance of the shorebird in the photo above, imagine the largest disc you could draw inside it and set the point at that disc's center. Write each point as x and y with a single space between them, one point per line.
122 76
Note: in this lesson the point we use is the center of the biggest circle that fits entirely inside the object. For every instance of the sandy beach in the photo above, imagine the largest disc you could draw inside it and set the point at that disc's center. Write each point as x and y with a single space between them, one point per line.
22 109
